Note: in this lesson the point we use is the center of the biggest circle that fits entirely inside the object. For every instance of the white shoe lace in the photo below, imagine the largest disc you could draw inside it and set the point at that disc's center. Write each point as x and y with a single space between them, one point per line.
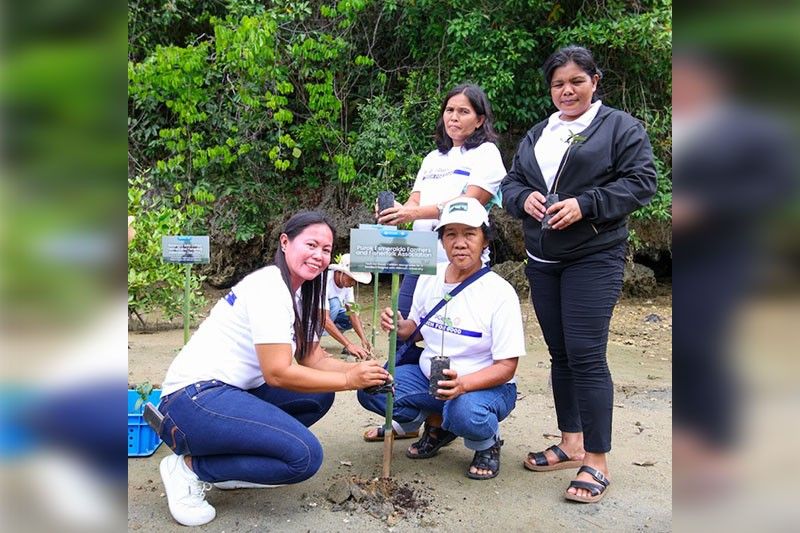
197 493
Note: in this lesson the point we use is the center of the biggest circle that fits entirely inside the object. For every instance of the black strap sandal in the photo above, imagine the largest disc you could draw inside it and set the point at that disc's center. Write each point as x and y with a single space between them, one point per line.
432 439
596 490
540 463
488 459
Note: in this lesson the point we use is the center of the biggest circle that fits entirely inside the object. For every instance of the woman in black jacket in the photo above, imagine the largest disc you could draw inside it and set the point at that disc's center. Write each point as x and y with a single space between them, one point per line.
575 179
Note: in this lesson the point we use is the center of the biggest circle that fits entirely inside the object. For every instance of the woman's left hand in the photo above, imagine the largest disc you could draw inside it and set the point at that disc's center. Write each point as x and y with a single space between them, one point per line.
451 388
567 212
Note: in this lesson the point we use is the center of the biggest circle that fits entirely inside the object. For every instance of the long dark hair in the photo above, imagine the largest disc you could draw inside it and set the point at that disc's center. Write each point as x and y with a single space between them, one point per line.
480 103
577 54
310 319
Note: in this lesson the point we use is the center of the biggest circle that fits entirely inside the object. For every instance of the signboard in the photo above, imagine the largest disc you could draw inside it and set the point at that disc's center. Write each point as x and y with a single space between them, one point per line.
186 249
386 249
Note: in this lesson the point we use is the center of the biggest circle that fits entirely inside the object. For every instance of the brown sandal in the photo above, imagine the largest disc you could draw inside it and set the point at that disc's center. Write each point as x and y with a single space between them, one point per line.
382 432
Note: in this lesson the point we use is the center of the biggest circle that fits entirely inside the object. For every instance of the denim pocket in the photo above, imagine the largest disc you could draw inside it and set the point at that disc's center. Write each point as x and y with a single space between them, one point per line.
174 437
204 390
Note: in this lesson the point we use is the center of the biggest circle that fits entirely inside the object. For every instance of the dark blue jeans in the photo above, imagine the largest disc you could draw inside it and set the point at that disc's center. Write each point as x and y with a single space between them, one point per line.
475 416
404 298
339 315
259 435
573 301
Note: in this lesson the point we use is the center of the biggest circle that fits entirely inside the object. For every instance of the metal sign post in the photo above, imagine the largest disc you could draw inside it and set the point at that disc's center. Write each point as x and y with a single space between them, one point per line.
385 249
374 307
186 250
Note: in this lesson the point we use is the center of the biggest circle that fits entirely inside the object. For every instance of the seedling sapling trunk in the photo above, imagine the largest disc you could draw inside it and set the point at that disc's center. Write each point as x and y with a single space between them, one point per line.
440 362
388 439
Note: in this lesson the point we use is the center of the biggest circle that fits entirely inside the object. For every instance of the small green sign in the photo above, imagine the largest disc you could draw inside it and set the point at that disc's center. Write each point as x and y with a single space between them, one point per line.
387 249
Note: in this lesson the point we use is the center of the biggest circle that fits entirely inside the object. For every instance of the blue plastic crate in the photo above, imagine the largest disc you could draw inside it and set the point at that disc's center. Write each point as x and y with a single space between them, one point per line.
142 440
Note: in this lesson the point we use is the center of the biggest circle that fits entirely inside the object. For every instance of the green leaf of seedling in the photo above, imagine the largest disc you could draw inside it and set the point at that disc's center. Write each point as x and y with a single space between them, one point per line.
353 308
144 390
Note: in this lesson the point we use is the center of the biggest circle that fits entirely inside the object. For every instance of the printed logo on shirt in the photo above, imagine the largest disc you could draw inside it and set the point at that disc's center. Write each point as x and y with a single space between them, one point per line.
454 330
437 174
230 297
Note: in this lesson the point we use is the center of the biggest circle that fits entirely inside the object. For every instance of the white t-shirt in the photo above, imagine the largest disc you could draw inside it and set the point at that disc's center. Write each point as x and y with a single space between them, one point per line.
442 177
481 324
556 138
258 310
344 294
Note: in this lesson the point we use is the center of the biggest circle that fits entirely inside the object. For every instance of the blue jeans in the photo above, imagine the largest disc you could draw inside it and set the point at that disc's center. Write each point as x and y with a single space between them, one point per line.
339 315
475 416
404 299
259 435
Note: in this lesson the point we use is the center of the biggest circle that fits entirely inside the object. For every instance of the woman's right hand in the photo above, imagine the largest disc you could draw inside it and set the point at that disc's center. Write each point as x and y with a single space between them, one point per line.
387 320
534 205
366 374
394 216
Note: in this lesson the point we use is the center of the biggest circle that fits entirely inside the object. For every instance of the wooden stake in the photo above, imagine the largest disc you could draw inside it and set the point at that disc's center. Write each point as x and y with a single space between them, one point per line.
388 444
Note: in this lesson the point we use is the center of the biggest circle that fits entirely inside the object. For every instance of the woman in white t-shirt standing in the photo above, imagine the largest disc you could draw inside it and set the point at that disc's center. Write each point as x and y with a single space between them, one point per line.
236 410
466 162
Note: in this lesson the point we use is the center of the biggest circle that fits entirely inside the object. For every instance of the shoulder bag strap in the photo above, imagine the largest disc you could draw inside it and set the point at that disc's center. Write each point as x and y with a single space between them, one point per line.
442 302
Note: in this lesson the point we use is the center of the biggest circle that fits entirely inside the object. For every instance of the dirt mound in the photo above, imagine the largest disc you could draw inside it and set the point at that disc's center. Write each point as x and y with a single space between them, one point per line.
383 498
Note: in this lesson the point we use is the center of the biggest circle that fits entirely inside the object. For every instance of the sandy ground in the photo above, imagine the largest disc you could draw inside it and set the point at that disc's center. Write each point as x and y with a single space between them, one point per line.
435 494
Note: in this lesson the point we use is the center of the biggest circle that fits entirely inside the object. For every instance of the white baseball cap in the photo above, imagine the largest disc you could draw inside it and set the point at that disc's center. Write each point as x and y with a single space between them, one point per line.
464 210
344 266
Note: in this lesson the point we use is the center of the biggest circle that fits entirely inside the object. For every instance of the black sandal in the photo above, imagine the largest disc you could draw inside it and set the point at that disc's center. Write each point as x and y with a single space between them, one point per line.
596 490
432 439
488 459
537 461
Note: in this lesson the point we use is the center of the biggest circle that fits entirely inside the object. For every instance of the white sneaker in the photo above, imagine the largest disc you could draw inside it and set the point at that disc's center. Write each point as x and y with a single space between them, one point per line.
234 484
185 492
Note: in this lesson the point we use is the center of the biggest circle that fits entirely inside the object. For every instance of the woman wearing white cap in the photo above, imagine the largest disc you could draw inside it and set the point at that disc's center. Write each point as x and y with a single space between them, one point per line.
340 297
479 329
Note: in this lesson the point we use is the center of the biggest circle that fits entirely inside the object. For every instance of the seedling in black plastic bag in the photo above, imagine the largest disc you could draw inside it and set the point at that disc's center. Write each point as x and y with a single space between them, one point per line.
439 363
549 201
388 386
385 200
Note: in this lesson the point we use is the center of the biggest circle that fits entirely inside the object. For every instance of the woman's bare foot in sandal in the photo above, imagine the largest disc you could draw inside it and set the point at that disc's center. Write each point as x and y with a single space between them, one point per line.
434 421
571 446
598 462
433 438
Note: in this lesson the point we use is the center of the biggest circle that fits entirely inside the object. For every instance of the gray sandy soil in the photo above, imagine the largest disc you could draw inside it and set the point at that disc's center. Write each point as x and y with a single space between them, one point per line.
435 494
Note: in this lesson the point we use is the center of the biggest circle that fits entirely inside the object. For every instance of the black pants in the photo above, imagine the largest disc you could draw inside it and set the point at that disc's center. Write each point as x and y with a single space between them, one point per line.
573 301
709 287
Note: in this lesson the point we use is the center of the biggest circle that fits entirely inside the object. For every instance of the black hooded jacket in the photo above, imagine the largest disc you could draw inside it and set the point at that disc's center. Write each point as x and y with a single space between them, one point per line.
610 171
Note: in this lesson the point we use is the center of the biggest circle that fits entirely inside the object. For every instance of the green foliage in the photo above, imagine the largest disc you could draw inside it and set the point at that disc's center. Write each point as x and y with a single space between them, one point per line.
256 102
144 390
153 284
660 207
387 150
